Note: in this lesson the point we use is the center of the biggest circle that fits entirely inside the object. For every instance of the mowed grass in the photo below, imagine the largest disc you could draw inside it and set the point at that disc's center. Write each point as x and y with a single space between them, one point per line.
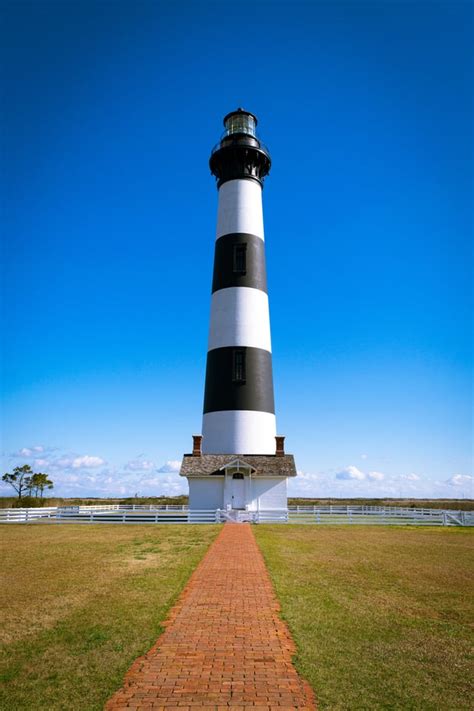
382 617
80 603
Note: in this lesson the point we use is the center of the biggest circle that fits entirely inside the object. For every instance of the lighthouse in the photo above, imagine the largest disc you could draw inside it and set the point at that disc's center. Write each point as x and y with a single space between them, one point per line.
239 462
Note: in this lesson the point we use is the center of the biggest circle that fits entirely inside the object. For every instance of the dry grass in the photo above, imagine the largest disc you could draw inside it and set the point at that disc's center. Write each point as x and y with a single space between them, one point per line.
80 603
455 504
381 617
452 504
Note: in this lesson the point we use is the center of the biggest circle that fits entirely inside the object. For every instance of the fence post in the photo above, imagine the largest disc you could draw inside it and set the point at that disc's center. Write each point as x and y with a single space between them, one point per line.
26 516
445 519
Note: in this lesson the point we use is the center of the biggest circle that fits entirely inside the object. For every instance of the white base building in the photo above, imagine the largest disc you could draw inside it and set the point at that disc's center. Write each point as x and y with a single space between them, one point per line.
253 482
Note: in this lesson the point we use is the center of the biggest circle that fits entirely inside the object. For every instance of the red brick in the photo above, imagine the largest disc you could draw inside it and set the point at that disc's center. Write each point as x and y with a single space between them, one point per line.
224 644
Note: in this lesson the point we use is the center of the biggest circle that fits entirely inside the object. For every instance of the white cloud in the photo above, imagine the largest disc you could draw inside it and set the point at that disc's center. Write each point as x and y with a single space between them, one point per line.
376 476
139 465
63 462
30 451
460 480
41 462
364 456
345 483
350 472
410 477
87 462
172 485
171 466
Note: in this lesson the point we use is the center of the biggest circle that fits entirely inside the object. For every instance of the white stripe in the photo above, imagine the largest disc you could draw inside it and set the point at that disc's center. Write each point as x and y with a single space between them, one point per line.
240 208
238 432
240 317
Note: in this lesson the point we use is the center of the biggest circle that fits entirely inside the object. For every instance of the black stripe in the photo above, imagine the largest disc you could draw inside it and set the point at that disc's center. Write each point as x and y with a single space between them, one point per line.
224 274
222 393
240 156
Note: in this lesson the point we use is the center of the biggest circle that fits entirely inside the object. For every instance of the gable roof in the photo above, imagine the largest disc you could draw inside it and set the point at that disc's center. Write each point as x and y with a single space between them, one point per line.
261 464
238 464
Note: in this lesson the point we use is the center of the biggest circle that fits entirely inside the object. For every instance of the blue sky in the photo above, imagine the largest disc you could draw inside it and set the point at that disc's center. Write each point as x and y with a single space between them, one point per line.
111 112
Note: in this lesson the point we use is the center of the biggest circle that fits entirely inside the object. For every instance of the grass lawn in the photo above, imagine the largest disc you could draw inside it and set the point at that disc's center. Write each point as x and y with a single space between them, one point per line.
380 616
81 602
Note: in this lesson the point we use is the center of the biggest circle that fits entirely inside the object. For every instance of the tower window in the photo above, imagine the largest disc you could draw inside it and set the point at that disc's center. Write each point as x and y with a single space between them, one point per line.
238 374
239 475
240 258
240 122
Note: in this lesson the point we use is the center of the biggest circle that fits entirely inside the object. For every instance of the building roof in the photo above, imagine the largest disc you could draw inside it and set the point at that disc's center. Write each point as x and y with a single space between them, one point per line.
261 464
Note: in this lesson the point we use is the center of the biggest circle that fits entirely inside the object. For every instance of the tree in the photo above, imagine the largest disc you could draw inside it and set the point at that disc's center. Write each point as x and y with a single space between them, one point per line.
41 482
24 479
20 479
28 484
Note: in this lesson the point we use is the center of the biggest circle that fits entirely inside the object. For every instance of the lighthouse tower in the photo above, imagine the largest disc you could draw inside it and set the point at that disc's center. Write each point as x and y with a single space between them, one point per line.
238 427
239 412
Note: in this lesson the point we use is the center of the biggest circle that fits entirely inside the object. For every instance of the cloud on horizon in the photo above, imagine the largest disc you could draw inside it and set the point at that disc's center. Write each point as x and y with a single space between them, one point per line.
349 473
375 476
139 465
172 465
461 480
87 462
82 475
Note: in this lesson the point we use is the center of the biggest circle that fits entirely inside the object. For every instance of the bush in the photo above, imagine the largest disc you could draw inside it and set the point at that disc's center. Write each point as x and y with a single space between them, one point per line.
26 502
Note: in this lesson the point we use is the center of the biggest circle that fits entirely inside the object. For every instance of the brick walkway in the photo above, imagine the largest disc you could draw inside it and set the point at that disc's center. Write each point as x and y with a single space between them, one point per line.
224 644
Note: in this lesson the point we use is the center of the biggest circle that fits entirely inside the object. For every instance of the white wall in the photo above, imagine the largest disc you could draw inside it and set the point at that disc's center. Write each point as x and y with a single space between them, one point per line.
209 493
240 317
238 432
240 208
272 494
206 493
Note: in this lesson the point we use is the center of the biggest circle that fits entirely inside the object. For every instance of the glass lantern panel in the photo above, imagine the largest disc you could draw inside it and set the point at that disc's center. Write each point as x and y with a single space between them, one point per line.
240 123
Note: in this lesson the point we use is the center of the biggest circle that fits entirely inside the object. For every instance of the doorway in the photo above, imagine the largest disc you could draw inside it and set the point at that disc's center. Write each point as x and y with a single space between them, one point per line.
238 491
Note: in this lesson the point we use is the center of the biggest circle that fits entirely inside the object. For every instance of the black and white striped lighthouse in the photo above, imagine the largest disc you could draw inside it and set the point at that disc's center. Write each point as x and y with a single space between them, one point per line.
238 464
239 411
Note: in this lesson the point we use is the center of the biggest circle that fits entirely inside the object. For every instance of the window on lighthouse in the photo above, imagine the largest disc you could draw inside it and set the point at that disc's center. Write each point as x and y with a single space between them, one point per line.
241 123
238 366
240 258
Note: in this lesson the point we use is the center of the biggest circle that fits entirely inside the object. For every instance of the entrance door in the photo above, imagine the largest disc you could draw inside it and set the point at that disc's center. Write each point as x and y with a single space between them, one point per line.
238 491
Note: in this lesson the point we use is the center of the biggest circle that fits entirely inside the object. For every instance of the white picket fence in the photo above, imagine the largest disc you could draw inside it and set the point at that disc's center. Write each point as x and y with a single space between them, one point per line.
26 515
135 513
379 515
312 515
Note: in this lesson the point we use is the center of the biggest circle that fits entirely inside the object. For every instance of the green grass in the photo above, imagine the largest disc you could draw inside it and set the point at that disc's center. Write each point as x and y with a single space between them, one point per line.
80 602
380 616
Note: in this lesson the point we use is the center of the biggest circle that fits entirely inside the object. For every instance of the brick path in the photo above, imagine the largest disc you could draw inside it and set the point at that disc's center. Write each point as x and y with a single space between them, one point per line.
224 644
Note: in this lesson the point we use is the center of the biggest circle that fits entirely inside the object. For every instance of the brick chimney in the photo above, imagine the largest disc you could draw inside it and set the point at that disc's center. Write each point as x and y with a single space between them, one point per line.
280 446
197 443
